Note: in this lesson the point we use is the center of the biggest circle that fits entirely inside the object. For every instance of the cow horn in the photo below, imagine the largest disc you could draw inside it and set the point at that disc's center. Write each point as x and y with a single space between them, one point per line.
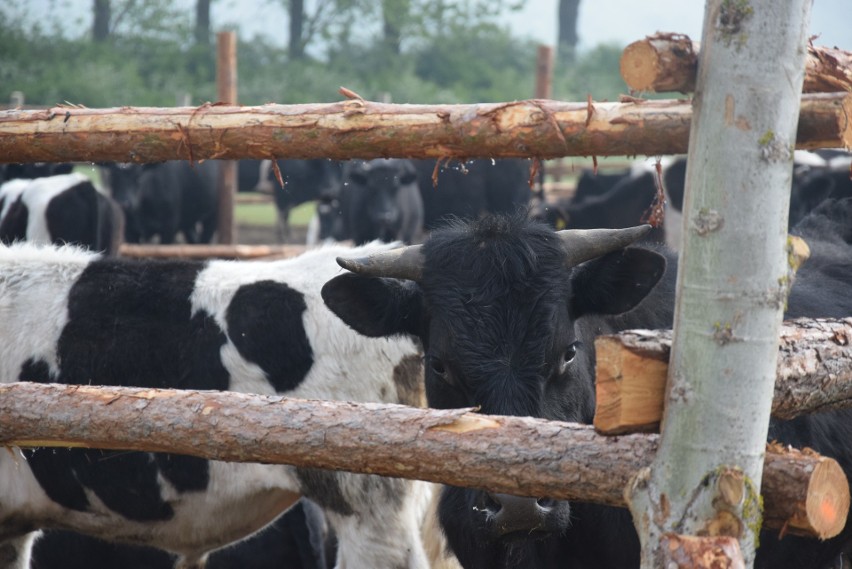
582 245
403 263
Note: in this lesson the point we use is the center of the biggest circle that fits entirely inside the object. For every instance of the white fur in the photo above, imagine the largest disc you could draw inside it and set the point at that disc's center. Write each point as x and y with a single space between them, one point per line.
34 286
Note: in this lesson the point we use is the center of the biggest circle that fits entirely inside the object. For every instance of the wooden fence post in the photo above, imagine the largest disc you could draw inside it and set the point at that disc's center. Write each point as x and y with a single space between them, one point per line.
226 85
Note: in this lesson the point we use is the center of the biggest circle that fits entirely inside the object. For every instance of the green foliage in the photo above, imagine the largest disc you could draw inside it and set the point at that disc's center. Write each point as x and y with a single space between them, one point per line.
453 51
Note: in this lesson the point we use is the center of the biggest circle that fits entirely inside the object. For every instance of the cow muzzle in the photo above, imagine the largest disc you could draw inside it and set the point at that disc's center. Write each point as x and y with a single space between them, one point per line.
524 517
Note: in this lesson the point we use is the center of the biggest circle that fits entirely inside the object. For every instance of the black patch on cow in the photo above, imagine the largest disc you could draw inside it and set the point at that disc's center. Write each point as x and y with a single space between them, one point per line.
71 216
13 226
322 487
130 324
35 370
265 324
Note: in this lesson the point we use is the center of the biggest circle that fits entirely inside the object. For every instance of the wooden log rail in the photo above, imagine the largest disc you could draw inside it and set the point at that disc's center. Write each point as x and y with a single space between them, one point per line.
211 251
669 62
361 129
803 492
814 373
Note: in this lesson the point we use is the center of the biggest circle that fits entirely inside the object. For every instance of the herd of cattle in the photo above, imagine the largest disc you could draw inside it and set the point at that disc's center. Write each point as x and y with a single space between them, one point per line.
493 304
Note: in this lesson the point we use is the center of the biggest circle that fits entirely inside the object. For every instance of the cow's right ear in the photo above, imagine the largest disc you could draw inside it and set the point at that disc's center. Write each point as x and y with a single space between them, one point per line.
375 307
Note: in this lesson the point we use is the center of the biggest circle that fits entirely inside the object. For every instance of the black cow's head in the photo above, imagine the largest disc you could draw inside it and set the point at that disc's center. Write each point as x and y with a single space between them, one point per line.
495 304
372 193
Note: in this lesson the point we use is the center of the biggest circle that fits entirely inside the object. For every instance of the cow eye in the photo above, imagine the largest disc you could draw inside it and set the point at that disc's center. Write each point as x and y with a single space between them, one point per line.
567 357
436 365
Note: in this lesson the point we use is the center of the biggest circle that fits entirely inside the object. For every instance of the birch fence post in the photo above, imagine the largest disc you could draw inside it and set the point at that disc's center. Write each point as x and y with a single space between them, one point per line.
735 273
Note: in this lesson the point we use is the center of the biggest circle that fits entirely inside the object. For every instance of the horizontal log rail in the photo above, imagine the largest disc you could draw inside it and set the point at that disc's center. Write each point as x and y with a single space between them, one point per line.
814 373
210 251
360 129
669 62
803 492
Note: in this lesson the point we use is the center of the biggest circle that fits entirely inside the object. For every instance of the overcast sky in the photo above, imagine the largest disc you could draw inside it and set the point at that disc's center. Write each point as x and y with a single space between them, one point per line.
613 21
624 21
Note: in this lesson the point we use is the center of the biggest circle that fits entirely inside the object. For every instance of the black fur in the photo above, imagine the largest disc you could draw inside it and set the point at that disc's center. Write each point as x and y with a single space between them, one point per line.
498 309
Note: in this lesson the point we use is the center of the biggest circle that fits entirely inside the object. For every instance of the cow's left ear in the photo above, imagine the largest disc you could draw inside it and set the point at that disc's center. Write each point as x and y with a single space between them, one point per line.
375 307
617 282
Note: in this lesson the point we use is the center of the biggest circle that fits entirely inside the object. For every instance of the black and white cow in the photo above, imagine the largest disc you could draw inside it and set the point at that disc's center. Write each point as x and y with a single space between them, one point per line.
74 317
166 199
507 311
60 209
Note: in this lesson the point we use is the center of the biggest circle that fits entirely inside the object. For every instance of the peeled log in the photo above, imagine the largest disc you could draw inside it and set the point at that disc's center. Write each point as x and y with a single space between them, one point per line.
669 62
210 251
361 129
814 373
555 459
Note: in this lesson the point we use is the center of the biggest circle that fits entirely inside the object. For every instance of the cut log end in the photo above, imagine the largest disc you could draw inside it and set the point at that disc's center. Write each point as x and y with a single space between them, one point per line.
827 503
640 66
630 389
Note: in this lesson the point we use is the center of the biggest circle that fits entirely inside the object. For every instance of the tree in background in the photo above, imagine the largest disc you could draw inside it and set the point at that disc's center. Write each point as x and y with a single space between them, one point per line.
150 53
100 26
567 37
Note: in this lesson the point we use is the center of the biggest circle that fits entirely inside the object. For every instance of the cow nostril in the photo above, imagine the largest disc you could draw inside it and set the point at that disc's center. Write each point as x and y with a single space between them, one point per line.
546 503
491 504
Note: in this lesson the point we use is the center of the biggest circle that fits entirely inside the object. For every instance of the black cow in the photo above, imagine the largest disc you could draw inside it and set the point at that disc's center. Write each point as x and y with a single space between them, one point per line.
376 199
472 188
76 317
60 209
507 312
32 170
304 180
620 200
165 199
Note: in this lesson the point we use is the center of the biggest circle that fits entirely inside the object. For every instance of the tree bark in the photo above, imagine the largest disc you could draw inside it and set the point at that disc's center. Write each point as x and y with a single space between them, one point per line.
556 459
100 20
813 374
211 251
688 552
733 278
361 129
668 62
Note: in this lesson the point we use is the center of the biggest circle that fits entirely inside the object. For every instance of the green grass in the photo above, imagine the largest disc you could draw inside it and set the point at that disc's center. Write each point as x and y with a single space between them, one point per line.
264 214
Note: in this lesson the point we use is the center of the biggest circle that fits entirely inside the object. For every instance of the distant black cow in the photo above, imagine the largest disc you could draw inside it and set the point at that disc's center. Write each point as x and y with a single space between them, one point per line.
304 180
507 311
75 317
380 199
59 209
471 189
165 199
31 170
622 200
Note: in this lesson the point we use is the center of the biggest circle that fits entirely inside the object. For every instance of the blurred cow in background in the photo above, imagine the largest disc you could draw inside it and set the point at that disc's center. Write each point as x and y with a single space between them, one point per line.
304 180
166 199
63 208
